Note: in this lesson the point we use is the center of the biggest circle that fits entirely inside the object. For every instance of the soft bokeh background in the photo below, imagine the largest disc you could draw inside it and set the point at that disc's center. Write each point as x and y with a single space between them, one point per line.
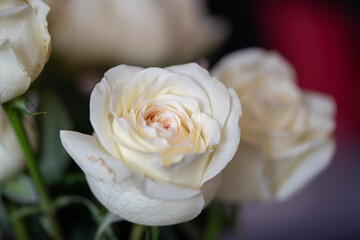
321 39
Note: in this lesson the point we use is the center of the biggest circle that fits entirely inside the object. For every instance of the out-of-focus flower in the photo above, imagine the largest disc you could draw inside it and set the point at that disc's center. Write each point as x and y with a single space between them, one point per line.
161 139
11 154
286 133
140 32
24 45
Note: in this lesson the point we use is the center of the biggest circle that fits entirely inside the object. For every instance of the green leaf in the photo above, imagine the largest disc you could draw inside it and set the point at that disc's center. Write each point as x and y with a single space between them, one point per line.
24 104
25 212
108 219
21 190
45 223
54 160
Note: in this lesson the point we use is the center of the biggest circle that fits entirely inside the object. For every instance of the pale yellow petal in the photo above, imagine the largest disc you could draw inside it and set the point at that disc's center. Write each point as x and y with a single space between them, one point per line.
125 200
14 80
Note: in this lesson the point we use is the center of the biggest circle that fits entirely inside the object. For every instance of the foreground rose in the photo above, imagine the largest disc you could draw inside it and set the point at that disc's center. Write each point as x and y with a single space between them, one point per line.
141 32
24 45
162 138
286 133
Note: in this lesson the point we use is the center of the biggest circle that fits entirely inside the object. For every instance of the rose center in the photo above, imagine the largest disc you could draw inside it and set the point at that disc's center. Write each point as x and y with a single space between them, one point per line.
164 121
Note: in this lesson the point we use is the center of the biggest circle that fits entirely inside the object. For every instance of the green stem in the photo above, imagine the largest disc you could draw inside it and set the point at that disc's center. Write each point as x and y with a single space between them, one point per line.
155 231
15 119
137 231
18 225
214 222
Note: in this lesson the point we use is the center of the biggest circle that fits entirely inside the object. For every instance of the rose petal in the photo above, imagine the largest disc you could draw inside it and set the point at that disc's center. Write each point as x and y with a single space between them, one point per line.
189 104
216 92
211 188
120 74
125 200
150 164
244 178
210 131
14 80
10 4
243 66
21 25
92 159
230 138
322 111
305 144
309 166
178 84
100 115
165 191
42 11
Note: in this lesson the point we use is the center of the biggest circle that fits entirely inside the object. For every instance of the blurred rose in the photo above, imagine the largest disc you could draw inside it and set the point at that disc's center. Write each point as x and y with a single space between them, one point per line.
12 158
24 45
286 133
161 139
141 32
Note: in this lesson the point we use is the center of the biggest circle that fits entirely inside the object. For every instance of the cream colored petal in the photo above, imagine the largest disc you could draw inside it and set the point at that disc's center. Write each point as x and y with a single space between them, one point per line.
100 114
14 80
21 26
124 134
92 159
125 200
244 178
138 86
303 145
230 138
210 130
42 11
12 159
211 188
246 65
153 82
120 74
307 168
322 109
217 93
165 191
272 141
127 124
189 175
4 4
189 104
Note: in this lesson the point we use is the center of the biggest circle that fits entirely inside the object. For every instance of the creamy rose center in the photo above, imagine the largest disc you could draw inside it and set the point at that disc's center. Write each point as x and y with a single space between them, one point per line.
163 120
166 121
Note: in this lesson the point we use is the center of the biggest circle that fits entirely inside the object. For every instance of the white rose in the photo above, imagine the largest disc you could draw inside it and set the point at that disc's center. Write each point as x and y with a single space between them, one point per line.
286 133
161 139
142 32
24 45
